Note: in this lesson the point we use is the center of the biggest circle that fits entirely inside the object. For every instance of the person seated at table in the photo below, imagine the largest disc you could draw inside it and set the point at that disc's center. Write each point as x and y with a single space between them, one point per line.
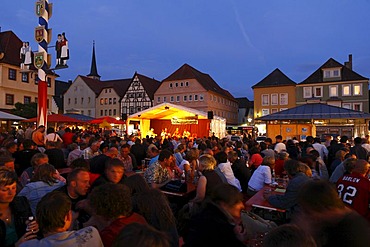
82 163
256 158
137 185
114 172
14 210
288 235
217 223
343 168
43 181
240 170
209 178
225 167
153 154
112 205
279 163
289 200
124 156
7 161
141 235
327 219
354 188
55 154
97 164
54 216
154 206
190 163
157 174
262 176
179 154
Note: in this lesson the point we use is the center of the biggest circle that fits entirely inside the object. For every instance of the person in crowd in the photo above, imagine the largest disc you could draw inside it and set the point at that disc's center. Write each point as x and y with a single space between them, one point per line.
7 161
324 216
153 205
335 147
9 149
51 136
91 151
23 157
14 212
256 159
321 148
266 151
138 151
261 177
319 165
345 167
289 200
137 186
157 174
279 164
136 234
55 154
240 170
153 154
54 216
38 136
216 224
354 188
115 208
208 179
28 133
97 163
279 145
292 149
67 138
114 172
225 167
179 154
305 169
42 182
125 157
358 150
75 153
36 160
339 158
288 235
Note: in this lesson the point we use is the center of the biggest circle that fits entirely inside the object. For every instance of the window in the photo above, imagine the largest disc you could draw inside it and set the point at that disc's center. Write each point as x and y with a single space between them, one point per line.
190 97
357 89
12 74
88 100
171 99
9 99
346 105
195 97
215 98
274 99
283 99
333 73
307 92
317 91
274 110
186 84
110 112
110 101
177 98
201 98
357 106
114 112
176 84
82 112
89 112
106 101
75 101
333 91
69 101
114 101
27 99
336 73
82 101
185 98
158 99
346 90
265 112
25 77
265 99
101 101
101 112
181 84
327 74
164 99
170 85
105 112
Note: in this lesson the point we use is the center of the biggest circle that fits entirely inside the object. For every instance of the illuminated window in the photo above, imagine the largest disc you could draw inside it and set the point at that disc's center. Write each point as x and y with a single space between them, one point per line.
346 90
357 89
333 91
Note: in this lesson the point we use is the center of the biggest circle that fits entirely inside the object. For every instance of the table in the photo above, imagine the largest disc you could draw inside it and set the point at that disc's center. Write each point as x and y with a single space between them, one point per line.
190 189
258 201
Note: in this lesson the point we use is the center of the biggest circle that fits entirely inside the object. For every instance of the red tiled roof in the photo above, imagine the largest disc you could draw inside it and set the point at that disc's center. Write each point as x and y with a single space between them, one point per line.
10 44
188 72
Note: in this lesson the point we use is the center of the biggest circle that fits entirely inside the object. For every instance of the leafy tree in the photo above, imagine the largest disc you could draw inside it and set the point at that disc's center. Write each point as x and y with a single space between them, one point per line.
25 110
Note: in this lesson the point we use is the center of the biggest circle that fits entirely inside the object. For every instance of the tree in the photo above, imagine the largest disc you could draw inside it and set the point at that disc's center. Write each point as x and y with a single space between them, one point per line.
25 110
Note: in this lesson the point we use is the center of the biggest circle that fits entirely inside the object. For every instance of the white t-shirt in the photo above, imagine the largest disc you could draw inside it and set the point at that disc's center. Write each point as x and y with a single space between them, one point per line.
229 175
260 177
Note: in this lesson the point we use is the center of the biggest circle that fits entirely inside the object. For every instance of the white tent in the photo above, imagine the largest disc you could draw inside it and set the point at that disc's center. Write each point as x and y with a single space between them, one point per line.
177 115
8 116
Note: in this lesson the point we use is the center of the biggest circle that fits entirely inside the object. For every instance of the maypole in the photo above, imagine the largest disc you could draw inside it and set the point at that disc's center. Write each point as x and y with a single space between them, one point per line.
42 36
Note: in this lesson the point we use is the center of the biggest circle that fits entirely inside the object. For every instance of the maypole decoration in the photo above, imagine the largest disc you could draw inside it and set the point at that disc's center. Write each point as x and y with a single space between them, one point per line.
41 58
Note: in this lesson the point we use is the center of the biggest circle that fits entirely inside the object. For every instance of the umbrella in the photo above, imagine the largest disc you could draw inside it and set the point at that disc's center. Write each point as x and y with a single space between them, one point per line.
109 120
57 118
8 116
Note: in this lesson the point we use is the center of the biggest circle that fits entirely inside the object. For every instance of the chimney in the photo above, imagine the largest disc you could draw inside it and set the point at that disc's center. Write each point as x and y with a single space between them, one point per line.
349 63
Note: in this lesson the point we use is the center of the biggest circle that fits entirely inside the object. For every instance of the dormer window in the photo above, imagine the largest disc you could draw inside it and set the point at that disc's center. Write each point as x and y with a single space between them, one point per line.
331 73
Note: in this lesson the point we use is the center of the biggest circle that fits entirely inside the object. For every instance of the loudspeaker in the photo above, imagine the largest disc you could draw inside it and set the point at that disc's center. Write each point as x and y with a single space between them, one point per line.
210 114
124 116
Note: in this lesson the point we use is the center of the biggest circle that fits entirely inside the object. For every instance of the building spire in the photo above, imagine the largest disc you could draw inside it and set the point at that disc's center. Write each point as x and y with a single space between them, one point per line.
94 69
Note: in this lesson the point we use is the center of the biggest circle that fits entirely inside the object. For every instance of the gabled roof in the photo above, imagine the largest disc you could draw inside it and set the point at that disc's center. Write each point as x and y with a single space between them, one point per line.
188 72
275 79
93 84
244 102
346 73
315 111
60 88
150 84
10 44
120 86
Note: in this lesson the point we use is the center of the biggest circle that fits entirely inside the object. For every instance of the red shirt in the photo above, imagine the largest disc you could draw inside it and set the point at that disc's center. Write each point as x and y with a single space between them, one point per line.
109 234
67 138
354 190
279 167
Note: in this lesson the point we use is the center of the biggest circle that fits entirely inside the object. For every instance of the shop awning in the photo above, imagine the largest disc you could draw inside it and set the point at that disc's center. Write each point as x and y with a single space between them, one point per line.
315 111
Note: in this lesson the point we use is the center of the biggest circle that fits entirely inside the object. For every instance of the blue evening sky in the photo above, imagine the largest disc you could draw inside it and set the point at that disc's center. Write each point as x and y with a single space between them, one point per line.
237 42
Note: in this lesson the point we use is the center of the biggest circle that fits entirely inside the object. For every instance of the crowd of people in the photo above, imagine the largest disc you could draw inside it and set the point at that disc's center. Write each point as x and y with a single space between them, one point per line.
88 188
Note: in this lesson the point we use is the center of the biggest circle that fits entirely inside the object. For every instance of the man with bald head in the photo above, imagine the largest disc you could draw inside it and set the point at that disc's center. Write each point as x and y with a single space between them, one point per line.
354 188
97 164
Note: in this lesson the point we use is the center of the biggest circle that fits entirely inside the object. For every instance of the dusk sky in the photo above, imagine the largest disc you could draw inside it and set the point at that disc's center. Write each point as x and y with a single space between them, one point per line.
236 42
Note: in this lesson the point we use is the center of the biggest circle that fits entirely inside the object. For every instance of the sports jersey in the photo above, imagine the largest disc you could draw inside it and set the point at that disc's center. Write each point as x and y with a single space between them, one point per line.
354 190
